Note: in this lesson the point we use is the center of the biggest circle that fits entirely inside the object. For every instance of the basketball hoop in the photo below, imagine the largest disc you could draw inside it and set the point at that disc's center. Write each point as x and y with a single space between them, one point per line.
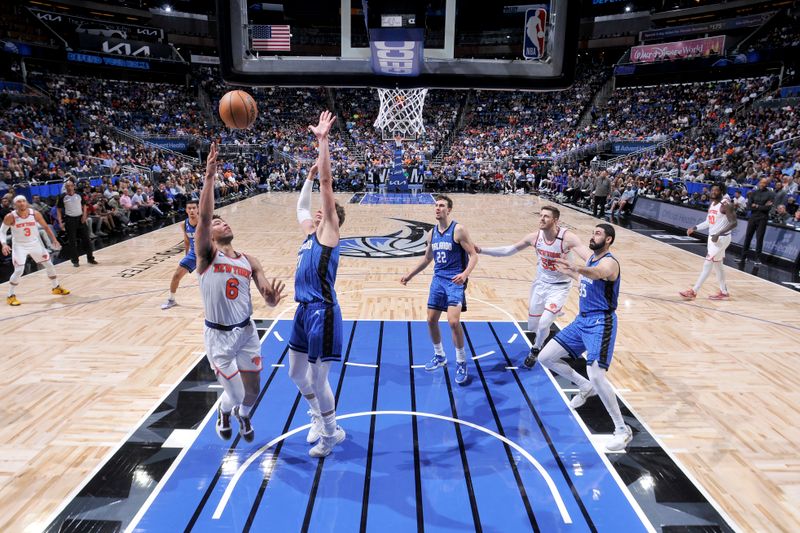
400 113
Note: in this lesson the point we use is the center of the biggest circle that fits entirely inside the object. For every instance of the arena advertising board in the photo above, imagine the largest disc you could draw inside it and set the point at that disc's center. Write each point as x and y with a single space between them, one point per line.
778 241
67 25
650 53
706 27
125 47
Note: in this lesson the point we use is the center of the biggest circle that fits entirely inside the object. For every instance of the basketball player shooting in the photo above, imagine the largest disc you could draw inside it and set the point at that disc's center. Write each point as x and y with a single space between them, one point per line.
720 221
316 339
24 224
550 289
231 340
455 258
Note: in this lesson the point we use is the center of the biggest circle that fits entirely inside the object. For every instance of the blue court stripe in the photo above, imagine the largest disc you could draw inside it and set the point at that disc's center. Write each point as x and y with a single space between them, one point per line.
497 423
595 487
283 504
513 419
191 482
392 497
339 502
444 491
269 419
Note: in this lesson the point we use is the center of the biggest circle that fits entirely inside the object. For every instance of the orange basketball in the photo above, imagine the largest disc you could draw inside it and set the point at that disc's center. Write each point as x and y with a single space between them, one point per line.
238 110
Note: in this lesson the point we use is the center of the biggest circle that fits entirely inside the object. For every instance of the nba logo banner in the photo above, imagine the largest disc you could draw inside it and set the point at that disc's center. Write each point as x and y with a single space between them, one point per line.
535 32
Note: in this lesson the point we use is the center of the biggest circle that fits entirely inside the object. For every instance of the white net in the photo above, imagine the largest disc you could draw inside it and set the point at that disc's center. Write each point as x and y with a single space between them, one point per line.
400 114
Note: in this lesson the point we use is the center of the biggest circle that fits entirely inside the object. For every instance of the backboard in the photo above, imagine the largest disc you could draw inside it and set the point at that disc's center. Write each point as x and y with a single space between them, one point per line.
392 44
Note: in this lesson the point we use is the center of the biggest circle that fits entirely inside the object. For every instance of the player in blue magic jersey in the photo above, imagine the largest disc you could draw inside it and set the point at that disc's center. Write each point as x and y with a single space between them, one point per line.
316 338
594 331
454 257
189 262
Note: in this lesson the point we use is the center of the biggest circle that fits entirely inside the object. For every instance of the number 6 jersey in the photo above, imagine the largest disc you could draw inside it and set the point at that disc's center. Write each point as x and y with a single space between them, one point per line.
225 289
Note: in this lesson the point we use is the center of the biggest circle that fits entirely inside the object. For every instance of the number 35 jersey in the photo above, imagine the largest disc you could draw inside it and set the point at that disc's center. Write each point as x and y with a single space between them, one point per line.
225 288
548 252
449 258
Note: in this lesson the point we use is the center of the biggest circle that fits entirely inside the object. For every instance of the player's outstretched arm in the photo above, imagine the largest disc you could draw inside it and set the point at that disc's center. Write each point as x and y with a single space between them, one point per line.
304 217
43 223
272 291
606 269
573 243
329 235
511 249
424 262
461 236
203 246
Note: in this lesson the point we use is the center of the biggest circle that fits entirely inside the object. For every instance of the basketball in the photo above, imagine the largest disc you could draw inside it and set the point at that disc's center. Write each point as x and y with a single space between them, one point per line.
238 110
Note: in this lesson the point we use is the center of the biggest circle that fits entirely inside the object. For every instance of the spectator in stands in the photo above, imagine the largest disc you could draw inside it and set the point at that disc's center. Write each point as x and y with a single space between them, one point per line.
791 205
602 188
740 204
5 205
780 216
760 203
796 220
780 195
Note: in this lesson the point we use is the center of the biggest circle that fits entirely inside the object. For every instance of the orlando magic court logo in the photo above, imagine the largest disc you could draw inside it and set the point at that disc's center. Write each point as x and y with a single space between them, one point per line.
408 242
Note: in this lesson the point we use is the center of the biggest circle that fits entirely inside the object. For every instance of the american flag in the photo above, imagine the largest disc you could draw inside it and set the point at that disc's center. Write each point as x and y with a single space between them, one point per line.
271 38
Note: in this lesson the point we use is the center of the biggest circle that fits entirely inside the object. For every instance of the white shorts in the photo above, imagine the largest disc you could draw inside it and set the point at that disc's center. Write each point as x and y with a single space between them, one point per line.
547 297
716 250
20 252
234 351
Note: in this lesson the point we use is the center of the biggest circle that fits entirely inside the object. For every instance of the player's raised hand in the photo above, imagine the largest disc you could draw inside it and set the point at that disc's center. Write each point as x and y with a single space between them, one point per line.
211 161
321 130
273 293
312 172
459 279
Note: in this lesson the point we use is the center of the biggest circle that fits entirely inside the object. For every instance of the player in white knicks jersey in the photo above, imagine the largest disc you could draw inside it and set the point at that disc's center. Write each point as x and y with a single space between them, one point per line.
720 221
231 340
550 289
24 224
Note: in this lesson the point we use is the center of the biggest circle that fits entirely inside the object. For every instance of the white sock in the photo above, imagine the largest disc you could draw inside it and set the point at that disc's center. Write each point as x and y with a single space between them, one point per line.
438 349
313 403
12 288
461 355
51 273
707 266
329 421
721 277
603 388
172 296
244 410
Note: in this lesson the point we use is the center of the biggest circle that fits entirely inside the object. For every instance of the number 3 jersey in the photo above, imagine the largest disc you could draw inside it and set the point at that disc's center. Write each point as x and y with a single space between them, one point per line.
449 258
225 288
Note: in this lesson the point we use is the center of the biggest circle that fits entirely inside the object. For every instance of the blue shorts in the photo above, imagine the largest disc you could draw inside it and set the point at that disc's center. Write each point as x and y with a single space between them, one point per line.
317 331
594 333
189 262
444 293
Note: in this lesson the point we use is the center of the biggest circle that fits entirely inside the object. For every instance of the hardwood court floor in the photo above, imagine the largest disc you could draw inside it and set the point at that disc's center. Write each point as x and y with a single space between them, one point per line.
715 381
